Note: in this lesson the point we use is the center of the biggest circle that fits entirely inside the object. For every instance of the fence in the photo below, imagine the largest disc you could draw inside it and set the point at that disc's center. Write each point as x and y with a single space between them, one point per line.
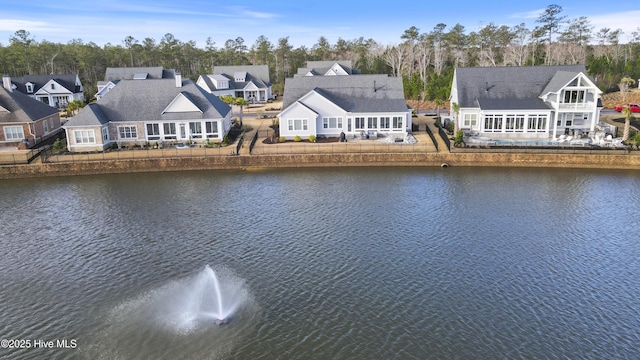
20 156
444 137
352 146
431 136
568 149
48 156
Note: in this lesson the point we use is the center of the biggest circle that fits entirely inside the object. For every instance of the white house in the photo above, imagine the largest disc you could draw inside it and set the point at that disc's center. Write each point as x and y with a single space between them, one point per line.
327 106
250 82
54 90
327 68
534 102
149 111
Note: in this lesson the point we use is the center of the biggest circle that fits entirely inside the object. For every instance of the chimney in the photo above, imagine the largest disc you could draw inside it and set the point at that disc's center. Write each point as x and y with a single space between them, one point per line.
178 79
6 82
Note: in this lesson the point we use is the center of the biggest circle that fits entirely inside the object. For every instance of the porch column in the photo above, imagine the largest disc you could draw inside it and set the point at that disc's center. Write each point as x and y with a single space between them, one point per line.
555 125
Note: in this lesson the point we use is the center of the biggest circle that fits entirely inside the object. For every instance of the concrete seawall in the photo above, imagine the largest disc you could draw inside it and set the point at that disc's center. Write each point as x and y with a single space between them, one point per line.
558 160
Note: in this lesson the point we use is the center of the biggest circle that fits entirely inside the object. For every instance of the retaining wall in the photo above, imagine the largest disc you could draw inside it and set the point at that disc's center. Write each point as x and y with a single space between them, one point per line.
622 161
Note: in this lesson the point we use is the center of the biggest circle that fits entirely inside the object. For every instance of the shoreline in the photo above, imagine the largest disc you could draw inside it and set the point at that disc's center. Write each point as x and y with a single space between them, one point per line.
622 161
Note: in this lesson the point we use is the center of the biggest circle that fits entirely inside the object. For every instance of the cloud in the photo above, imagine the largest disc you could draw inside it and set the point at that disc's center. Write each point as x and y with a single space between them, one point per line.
17 24
627 21
244 12
534 14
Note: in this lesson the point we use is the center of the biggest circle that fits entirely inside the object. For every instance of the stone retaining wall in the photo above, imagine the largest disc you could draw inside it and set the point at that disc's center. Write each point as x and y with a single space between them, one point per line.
608 161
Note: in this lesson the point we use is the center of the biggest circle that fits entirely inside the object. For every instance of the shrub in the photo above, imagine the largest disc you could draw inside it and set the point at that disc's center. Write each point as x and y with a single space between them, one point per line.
297 138
282 139
438 122
459 138
312 138
58 145
450 126
225 140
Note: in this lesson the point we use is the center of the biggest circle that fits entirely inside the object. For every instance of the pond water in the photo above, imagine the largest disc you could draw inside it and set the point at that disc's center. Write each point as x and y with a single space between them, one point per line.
376 263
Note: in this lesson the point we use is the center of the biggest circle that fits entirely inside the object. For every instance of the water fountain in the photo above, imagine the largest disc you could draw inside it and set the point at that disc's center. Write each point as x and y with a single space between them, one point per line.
181 316
207 300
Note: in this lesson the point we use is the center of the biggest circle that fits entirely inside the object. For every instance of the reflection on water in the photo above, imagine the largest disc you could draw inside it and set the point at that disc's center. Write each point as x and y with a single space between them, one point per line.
347 263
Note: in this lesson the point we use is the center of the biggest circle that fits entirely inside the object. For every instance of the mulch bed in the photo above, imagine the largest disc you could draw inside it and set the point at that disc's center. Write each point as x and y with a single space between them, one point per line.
318 140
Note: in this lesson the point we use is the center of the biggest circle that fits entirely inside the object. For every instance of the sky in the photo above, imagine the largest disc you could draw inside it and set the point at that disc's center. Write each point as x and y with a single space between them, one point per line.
304 22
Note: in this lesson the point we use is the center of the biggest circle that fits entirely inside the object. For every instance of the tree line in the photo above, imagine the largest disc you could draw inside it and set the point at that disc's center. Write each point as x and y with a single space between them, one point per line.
425 60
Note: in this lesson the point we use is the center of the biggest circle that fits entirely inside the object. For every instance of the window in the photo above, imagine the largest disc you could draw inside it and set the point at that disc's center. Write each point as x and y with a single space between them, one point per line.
211 128
493 123
385 122
510 123
169 131
45 126
13 133
153 131
195 129
105 135
127 132
470 120
536 123
359 123
29 87
332 123
397 122
84 136
372 122
53 86
519 126
298 124
574 96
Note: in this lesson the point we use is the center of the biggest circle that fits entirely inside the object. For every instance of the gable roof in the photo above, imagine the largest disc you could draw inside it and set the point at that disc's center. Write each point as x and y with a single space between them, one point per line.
128 73
68 81
259 73
362 93
134 100
181 103
89 115
16 107
322 67
491 86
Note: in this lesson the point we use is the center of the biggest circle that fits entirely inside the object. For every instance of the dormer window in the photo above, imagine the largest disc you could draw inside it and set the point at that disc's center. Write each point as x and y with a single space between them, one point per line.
29 87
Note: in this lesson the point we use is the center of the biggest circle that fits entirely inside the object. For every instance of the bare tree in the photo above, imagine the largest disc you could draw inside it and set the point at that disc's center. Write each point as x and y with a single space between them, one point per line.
395 57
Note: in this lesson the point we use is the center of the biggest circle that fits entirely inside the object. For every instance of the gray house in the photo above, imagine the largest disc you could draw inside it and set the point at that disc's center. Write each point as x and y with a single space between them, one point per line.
529 102
250 82
149 111
326 106
113 75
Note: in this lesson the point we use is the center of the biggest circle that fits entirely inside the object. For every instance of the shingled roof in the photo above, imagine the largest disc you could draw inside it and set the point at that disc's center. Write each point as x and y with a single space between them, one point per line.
65 80
134 100
16 107
321 67
362 93
128 73
496 87
258 73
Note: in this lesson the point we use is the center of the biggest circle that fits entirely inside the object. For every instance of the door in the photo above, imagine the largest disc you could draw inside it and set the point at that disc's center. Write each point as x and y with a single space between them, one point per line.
183 131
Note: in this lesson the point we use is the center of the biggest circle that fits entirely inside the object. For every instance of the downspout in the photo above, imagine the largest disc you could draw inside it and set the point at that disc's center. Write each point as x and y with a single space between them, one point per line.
32 131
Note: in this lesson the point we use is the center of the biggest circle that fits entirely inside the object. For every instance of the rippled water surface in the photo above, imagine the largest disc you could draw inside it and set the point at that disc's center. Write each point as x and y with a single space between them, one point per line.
333 264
